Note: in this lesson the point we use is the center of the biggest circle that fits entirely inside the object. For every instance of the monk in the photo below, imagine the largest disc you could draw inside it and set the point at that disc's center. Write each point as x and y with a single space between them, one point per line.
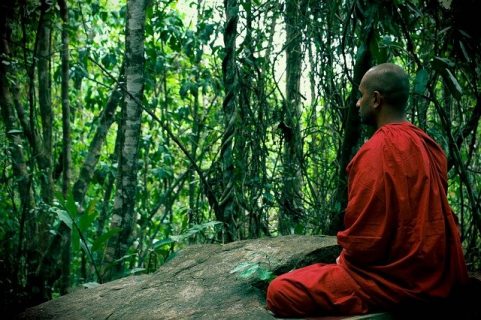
401 244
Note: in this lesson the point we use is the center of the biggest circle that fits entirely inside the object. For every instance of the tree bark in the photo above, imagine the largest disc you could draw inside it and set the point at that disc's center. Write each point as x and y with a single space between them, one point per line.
290 213
249 143
92 158
123 215
44 96
229 69
46 266
64 230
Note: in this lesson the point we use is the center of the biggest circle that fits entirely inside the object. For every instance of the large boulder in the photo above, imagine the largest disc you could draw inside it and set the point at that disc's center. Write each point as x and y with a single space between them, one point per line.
198 283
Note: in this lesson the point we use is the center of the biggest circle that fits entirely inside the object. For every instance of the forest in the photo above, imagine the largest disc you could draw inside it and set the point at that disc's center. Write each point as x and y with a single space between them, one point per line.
131 129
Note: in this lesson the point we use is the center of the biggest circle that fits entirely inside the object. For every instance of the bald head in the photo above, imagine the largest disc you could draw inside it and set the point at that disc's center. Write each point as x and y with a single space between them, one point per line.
391 81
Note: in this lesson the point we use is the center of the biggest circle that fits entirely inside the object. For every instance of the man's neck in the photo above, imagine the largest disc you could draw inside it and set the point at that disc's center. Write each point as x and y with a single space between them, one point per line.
389 118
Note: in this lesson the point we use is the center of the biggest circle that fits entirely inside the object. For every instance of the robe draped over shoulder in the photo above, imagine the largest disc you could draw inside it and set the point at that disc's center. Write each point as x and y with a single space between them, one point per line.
400 245
401 241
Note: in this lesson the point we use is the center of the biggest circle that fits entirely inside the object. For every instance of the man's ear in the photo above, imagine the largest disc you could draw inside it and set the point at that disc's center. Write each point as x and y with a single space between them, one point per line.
377 98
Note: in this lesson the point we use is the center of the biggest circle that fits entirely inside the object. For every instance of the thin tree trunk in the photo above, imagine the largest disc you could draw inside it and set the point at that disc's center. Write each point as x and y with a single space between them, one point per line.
193 219
315 143
47 270
249 132
193 149
64 230
229 69
44 97
123 216
291 202
91 160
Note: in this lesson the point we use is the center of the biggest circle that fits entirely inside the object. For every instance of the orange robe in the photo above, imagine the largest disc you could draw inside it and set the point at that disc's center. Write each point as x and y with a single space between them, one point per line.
401 243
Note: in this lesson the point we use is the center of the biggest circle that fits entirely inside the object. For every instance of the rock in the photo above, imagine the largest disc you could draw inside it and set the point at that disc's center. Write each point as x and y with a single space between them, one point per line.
198 283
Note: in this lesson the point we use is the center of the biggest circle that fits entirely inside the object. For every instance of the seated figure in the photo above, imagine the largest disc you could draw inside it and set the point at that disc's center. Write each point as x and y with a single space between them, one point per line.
401 244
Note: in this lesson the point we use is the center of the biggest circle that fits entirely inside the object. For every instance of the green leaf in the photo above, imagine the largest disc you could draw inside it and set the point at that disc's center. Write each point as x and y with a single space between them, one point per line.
60 199
70 206
84 246
464 51
210 224
65 217
442 63
453 85
163 172
265 275
178 238
421 81
249 269
163 242
100 241
85 220
197 228
206 32
249 272
299 229
75 241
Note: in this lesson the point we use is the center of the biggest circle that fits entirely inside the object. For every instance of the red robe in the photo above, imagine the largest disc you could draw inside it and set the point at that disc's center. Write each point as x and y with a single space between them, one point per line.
401 243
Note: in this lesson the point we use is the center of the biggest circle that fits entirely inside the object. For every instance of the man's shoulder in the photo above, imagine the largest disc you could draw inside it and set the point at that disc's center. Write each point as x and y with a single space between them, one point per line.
386 142
370 154
399 137
392 141
376 142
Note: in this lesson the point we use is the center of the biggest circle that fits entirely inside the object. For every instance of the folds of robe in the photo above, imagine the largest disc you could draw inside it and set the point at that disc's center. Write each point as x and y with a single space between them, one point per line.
318 289
401 243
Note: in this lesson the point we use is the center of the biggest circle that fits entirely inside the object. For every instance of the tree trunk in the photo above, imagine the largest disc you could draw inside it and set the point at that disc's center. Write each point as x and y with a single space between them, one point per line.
229 69
193 149
47 269
123 215
44 96
250 133
196 60
64 230
291 201
92 158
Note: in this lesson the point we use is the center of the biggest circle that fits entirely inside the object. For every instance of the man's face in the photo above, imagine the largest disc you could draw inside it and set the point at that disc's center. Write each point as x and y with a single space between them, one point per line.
365 105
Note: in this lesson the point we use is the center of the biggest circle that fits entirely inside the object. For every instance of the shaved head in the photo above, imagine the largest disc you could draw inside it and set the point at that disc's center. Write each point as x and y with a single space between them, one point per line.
391 81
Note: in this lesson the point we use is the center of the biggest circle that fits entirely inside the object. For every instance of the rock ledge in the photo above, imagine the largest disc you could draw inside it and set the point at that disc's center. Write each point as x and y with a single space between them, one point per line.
196 284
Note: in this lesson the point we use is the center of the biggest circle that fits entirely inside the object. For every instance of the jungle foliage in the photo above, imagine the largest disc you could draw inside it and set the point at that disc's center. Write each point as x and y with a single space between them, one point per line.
132 128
